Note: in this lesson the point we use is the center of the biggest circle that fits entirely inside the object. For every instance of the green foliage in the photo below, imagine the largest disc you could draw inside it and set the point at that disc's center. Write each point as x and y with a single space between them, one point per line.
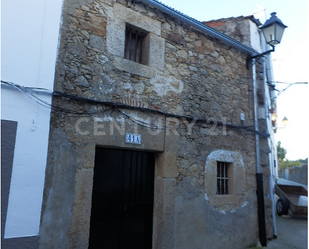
285 163
289 164
281 152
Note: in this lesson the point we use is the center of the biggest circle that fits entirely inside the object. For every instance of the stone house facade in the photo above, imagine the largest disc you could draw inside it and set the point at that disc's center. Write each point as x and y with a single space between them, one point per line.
179 104
244 29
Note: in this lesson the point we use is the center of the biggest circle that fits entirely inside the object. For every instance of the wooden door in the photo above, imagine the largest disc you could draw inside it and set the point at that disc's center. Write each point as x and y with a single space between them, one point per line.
122 199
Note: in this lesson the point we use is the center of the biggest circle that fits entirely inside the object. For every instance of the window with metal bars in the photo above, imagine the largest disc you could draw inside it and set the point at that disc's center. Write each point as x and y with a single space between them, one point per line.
222 178
134 44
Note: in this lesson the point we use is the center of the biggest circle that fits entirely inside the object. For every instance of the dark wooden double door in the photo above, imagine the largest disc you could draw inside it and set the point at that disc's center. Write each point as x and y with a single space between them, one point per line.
122 199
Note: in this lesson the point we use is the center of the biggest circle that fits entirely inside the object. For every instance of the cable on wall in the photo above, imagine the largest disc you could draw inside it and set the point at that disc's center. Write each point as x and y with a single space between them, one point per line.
30 92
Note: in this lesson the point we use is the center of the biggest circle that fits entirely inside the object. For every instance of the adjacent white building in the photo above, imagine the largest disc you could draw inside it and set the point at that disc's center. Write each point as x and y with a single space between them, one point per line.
29 40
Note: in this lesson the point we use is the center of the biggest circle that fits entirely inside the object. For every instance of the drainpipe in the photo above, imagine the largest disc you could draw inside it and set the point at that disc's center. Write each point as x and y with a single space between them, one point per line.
272 195
259 175
272 144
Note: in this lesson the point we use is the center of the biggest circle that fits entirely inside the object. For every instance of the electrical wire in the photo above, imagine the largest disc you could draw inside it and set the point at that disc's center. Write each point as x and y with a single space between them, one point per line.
119 105
30 92
273 87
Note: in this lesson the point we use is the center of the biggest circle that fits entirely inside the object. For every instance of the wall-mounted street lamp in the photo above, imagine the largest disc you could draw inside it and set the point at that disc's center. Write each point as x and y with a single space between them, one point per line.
285 123
273 30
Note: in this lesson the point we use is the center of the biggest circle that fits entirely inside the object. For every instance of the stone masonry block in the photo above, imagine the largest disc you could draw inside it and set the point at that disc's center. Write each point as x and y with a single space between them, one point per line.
115 37
79 232
137 19
134 68
156 52
264 159
164 213
167 165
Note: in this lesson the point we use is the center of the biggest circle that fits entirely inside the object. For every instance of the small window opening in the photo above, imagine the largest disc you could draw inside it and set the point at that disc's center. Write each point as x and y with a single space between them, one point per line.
222 178
134 44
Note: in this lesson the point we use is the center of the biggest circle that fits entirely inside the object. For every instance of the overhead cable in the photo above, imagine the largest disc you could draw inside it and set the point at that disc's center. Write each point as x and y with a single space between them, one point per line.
30 92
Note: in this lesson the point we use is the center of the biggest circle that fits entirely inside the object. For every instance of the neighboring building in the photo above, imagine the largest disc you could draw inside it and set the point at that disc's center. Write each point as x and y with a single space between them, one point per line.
151 134
29 37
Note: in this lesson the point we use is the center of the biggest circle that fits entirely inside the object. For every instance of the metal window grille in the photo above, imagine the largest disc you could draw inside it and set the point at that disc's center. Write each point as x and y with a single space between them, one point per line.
222 178
133 44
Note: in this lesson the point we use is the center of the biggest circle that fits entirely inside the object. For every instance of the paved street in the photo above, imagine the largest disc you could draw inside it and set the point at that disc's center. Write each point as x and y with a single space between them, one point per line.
292 232
292 229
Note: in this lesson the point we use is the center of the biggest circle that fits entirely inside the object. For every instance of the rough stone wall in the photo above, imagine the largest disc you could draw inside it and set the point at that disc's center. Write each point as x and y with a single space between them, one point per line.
201 78
297 174
235 27
239 29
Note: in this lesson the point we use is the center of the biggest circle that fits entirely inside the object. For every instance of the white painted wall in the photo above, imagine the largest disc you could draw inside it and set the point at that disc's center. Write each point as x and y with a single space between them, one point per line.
29 40
255 40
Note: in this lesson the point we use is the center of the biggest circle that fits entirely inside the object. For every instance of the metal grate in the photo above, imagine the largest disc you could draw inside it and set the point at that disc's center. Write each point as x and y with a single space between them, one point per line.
133 44
222 178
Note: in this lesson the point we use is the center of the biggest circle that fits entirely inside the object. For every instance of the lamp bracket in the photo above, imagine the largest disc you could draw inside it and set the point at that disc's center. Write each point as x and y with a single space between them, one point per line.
258 56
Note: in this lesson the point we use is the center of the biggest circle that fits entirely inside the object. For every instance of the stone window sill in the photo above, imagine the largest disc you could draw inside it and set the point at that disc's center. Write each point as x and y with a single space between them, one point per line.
134 67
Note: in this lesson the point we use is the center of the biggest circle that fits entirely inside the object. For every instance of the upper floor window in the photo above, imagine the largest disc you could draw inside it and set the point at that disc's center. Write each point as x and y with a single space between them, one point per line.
136 44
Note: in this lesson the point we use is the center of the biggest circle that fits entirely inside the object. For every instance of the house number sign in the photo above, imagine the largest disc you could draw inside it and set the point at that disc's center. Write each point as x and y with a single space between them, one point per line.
132 138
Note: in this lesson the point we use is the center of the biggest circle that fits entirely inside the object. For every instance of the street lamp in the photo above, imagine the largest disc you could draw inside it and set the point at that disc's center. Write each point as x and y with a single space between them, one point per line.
273 30
285 121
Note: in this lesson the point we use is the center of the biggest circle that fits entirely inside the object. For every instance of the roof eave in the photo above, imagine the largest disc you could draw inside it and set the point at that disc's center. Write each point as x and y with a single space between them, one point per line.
200 26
